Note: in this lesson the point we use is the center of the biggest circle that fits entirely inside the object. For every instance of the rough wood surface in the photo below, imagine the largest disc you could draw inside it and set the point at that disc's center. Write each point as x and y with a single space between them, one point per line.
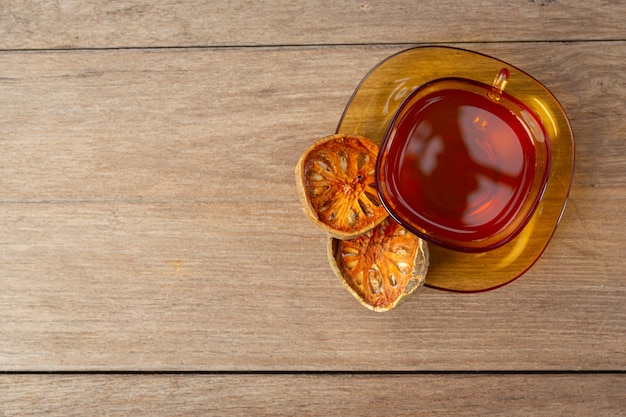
312 395
149 220
97 24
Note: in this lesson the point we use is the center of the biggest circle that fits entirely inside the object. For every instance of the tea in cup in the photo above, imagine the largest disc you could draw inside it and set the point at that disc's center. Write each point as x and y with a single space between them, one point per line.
463 164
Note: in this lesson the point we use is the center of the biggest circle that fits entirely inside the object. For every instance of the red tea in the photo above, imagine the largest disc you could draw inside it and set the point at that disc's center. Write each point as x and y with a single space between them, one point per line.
464 167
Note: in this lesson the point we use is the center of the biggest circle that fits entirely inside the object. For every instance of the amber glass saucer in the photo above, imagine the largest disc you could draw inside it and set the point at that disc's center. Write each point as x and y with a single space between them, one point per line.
374 104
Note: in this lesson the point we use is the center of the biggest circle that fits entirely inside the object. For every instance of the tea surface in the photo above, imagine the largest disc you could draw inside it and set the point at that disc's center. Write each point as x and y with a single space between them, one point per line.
465 168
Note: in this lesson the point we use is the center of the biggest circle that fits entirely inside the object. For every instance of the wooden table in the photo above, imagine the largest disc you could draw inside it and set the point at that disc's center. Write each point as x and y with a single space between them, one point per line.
154 258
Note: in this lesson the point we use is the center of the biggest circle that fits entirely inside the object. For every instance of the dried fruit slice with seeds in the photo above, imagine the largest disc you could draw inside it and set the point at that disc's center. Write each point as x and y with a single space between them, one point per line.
382 267
335 179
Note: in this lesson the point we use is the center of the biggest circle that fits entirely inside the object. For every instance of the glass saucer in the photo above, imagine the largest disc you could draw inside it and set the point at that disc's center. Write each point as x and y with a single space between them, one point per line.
373 105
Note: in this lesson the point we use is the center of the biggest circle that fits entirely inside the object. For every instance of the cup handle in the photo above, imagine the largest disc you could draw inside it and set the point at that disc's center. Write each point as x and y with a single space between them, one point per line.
499 84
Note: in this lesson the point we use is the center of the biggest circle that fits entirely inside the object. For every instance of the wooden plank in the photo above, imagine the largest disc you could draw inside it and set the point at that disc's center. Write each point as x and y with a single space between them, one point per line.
121 24
208 286
175 124
150 222
230 124
311 395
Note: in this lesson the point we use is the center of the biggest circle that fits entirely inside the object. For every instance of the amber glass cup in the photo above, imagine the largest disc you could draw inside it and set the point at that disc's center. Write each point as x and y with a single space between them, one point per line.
376 101
463 164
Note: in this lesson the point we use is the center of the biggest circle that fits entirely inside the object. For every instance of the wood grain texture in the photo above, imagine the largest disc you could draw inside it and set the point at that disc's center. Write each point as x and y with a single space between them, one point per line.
71 24
150 221
312 395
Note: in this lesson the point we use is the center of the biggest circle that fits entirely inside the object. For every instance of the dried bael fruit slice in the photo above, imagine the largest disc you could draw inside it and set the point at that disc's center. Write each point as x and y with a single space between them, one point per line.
381 267
335 179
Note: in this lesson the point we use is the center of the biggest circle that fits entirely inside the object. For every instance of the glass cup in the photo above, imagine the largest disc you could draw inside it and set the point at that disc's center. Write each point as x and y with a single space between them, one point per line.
463 164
